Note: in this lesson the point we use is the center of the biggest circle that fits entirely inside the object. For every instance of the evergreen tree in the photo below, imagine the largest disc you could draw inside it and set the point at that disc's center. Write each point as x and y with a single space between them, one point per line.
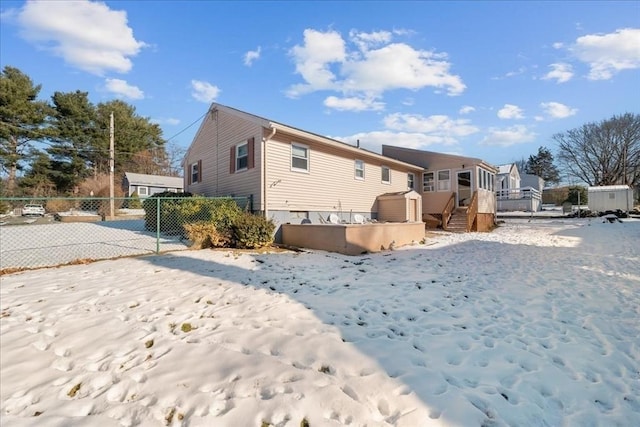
542 165
73 127
21 120
132 134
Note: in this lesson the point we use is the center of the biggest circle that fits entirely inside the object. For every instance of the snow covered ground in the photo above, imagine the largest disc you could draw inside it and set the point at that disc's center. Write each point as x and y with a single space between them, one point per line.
534 324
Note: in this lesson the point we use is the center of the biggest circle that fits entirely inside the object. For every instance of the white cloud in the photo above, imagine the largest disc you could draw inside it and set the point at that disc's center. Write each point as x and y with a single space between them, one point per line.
366 41
123 89
353 104
251 56
509 74
87 35
371 67
510 111
374 140
557 110
561 72
313 60
440 126
414 131
204 91
608 54
399 66
504 137
169 121
466 109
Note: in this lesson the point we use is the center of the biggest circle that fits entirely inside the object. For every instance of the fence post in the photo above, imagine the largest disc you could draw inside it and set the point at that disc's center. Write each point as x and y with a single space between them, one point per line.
158 225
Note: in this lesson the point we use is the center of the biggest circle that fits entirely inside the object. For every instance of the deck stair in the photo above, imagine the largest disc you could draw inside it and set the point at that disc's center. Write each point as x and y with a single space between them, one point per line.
458 221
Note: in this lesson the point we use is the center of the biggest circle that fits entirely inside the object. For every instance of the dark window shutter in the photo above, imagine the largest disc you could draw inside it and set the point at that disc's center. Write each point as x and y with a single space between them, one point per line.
232 157
199 170
251 153
189 173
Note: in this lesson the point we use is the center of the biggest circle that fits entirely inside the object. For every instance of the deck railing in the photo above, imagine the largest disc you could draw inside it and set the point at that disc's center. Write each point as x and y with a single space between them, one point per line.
519 193
472 211
448 210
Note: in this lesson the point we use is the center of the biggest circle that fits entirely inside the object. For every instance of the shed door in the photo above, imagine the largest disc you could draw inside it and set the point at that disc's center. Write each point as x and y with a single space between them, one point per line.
412 210
463 190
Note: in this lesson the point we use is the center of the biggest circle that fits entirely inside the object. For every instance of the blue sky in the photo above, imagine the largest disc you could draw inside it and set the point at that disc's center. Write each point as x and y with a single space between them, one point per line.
493 80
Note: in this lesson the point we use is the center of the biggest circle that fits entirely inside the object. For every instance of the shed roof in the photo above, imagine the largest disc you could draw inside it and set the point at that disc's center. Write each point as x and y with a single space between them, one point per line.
608 188
154 180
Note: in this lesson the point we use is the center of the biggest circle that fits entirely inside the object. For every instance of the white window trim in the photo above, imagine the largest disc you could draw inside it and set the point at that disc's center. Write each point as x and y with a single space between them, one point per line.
306 147
433 182
194 167
140 193
355 171
238 157
448 181
413 180
382 168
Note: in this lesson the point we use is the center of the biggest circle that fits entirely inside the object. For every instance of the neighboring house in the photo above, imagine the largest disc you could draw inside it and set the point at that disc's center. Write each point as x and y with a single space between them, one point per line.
610 198
292 175
508 177
146 185
532 181
453 186
517 192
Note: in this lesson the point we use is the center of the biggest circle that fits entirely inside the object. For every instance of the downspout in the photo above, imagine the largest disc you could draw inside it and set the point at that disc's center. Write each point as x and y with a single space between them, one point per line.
264 170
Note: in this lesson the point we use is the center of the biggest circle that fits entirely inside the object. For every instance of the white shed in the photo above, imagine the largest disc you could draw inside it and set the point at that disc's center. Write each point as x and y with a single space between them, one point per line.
610 198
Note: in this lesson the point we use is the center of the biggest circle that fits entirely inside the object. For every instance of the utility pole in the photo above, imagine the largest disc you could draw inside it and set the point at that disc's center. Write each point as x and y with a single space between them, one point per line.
111 168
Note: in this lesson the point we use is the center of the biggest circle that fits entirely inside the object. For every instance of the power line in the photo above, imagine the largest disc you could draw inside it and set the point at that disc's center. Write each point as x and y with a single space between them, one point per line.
185 129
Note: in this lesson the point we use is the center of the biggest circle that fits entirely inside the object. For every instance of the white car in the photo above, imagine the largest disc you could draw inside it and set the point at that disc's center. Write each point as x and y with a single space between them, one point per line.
33 210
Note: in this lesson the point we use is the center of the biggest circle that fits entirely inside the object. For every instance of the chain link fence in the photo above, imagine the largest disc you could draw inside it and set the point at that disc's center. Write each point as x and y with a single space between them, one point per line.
47 232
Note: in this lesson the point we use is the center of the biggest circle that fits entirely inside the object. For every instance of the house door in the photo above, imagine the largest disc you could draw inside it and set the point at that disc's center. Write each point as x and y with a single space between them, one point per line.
463 191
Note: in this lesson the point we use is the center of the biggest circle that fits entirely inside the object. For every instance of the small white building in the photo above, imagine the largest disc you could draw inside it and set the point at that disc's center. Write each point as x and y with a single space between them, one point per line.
610 198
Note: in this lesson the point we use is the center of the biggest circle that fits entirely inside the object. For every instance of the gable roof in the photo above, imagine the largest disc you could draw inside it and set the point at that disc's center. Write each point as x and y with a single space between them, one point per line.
506 168
154 180
437 158
277 126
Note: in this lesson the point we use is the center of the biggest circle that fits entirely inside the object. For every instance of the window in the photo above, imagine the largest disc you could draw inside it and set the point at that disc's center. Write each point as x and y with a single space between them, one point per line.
612 196
242 156
195 175
444 180
411 181
386 175
359 165
299 157
143 191
486 179
428 182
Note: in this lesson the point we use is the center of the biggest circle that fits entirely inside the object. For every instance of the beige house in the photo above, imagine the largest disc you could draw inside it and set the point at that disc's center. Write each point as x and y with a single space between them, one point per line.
294 176
459 191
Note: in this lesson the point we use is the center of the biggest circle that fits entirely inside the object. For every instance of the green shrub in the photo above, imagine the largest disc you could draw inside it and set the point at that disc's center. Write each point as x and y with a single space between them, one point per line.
134 201
251 231
206 235
168 207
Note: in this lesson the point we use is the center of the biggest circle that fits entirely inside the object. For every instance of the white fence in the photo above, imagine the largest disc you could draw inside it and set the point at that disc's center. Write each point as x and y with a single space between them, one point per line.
526 199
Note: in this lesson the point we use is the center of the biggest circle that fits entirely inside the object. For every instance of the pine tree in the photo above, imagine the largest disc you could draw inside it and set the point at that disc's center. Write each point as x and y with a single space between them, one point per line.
542 165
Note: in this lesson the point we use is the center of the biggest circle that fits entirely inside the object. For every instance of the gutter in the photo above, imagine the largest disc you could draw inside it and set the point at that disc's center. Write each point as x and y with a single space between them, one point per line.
264 170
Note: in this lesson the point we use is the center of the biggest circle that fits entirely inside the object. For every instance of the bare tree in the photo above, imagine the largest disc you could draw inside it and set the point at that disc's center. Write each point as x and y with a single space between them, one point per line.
604 153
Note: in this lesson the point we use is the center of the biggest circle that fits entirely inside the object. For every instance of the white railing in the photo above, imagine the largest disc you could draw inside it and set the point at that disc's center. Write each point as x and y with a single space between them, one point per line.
519 199
519 193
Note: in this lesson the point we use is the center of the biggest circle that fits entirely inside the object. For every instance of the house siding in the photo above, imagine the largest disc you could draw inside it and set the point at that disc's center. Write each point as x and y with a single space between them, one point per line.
435 202
219 132
330 184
